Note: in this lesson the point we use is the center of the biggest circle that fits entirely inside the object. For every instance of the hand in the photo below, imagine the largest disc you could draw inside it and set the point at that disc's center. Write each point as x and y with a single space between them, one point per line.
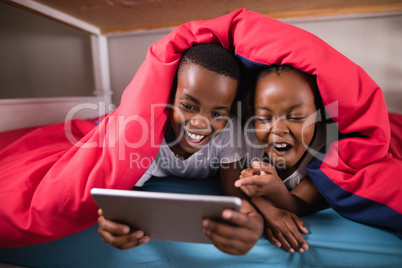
282 227
119 235
241 237
260 180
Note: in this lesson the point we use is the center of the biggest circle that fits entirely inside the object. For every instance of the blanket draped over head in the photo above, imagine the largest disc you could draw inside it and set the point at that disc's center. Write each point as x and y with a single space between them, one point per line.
46 173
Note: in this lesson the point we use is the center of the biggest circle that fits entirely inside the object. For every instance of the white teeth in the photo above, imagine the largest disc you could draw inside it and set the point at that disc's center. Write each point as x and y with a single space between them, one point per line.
195 137
280 145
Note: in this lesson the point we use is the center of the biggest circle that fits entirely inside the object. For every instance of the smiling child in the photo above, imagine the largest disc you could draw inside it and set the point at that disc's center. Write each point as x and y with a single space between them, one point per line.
283 137
201 141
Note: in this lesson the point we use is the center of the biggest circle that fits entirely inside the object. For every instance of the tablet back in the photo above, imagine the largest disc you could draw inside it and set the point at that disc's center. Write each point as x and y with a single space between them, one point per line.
164 216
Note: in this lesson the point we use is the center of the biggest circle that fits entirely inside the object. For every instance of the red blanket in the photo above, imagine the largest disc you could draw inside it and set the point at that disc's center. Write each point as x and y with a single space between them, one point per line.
46 176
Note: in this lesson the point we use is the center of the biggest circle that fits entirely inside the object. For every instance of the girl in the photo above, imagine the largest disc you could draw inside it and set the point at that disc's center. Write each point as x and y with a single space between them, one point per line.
284 137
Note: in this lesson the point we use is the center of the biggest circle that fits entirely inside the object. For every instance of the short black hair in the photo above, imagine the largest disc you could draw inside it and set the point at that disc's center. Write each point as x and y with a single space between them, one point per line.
212 57
278 69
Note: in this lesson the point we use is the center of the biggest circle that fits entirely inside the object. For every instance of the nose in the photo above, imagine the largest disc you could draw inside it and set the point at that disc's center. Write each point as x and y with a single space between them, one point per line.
199 122
279 127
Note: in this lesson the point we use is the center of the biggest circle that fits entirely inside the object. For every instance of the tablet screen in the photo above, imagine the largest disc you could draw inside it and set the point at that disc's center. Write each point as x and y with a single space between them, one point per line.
164 216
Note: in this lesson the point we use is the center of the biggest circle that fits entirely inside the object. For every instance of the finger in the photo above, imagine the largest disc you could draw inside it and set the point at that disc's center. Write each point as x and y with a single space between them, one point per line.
100 212
251 191
226 238
253 180
238 218
134 239
299 223
229 245
294 237
225 230
212 228
277 234
249 221
112 227
247 224
264 166
245 190
271 238
131 240
248 172
238 183
242 230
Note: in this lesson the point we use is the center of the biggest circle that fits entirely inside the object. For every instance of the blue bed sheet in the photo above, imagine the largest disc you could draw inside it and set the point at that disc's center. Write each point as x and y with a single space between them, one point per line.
334 242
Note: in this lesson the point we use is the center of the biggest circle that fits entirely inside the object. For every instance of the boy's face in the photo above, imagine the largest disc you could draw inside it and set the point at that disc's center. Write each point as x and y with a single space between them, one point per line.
201 106
283 103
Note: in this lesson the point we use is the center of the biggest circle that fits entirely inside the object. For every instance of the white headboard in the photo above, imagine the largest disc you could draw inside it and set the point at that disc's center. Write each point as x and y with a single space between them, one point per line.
21 113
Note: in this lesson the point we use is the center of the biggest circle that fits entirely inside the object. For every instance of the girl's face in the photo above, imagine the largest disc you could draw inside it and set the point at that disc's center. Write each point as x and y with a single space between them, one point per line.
283 103
201 107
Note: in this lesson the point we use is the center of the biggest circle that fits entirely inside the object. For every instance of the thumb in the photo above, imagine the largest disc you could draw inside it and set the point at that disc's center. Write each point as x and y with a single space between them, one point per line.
263 166
100 212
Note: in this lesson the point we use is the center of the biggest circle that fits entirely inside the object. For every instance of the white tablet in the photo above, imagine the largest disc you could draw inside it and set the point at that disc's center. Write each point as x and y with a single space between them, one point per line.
164 216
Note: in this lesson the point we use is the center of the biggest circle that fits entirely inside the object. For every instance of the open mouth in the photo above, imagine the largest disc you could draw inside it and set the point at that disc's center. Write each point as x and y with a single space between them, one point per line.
281 147
194 138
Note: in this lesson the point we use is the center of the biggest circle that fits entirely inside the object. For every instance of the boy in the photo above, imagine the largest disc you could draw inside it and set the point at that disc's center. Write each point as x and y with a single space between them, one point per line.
200 140
285 137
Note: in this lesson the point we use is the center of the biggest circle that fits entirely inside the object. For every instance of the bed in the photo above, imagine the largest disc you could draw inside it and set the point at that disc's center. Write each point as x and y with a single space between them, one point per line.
334 242
68 236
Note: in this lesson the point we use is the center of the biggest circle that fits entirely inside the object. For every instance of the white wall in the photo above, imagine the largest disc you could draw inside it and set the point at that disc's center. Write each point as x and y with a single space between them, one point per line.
42 58
126 54
375 43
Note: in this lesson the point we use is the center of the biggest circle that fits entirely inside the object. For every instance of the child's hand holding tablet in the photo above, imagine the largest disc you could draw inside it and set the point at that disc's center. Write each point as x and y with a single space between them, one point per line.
176 217
164 216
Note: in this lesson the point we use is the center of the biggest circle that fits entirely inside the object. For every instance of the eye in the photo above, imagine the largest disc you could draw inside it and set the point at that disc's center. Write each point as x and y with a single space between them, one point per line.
296 117
263 120
216 115
188 107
